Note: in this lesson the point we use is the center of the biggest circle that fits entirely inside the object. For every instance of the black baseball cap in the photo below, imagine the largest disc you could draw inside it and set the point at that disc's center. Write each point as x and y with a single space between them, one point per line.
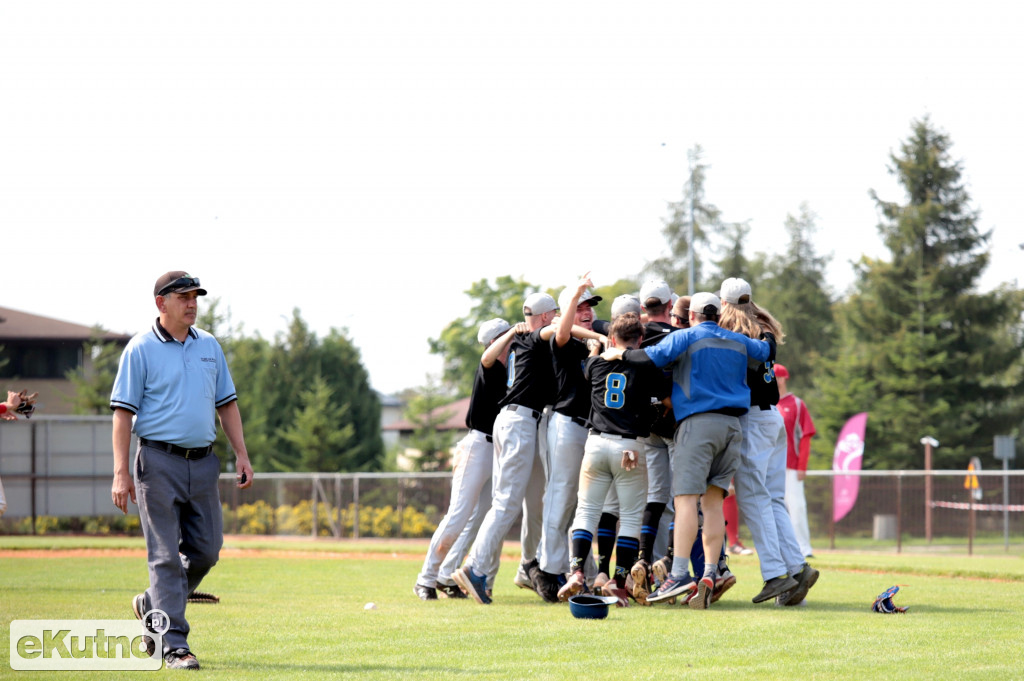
177 281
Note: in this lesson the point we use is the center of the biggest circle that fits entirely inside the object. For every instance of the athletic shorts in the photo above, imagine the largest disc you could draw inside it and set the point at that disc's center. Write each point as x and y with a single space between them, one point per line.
706 452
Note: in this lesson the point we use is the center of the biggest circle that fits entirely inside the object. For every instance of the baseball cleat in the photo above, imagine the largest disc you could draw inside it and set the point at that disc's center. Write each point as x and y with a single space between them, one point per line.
723 582
451 590
701 600
425 593
599 583
576 584
474 586
612 589
641 574
523 578
673 588
547 586
740 550
661 569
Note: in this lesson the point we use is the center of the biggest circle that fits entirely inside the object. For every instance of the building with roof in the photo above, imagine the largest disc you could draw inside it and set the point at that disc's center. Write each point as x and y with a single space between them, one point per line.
454 421
36 354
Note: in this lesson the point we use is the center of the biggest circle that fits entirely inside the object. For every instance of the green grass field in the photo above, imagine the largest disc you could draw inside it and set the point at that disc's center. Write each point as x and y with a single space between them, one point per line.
301 616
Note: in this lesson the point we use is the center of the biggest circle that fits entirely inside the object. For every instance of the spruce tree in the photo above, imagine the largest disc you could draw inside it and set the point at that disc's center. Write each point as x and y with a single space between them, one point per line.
928 353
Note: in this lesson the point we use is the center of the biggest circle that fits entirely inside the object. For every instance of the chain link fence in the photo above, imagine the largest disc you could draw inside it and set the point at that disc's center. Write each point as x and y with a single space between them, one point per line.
57 473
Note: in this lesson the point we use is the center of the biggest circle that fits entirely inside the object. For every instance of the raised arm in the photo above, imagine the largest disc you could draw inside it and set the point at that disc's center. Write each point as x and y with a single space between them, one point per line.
565 324
500 345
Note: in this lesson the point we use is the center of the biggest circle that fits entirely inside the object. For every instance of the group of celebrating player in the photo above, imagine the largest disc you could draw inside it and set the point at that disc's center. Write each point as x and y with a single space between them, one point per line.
618 429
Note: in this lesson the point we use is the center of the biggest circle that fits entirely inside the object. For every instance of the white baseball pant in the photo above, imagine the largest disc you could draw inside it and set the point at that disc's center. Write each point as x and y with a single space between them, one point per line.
796 504
474 461
566 440
517 467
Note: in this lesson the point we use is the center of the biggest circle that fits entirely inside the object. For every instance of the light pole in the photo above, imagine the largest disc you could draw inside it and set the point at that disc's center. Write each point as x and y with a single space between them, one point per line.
928 442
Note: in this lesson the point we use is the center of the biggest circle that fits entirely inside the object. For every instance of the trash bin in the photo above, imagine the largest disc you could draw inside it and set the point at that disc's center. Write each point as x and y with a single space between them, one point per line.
885 527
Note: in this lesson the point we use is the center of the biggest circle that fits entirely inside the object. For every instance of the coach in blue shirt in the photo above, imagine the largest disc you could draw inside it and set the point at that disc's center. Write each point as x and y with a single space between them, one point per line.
170 383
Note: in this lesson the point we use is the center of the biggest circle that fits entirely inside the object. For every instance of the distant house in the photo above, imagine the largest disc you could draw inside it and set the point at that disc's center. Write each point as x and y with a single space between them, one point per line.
391 410
37 352
401 430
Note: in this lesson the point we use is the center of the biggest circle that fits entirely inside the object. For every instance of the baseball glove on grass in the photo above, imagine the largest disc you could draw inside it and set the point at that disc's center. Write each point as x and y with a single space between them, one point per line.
884 604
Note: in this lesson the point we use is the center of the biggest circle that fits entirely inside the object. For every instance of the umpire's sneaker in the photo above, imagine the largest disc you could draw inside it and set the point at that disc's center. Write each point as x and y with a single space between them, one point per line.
805 579
672 587
450 590
425 593
524 575
181 658
775 586
474 585
139 606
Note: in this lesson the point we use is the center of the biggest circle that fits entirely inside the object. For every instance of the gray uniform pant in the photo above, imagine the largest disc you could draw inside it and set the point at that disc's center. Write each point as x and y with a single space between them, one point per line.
180 514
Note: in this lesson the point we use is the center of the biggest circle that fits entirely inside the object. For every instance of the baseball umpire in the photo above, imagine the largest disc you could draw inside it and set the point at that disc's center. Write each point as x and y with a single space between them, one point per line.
171 382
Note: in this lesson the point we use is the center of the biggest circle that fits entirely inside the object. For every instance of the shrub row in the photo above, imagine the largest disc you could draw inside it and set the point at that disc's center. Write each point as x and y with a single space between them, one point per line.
255 518
262 518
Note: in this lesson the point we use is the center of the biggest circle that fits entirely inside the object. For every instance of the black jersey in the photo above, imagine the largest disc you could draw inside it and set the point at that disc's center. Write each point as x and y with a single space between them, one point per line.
764 390
573 390
621 396
662 424
488 389
531 377
655 331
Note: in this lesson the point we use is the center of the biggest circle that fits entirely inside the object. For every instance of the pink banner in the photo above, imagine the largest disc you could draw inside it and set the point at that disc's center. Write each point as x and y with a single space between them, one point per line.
848 455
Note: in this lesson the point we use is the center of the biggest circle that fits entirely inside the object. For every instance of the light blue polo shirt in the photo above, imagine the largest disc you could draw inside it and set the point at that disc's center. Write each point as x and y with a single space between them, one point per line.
172 388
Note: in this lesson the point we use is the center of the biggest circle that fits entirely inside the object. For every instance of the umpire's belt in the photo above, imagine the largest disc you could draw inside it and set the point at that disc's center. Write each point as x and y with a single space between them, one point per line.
183 452
524 410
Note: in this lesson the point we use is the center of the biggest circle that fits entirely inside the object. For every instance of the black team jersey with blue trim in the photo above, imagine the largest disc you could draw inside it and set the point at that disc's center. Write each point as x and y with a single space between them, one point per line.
531 376
573 396
621 396
488 389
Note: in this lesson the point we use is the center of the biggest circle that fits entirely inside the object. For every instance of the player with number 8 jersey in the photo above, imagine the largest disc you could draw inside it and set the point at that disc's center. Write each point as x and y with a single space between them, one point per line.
613 457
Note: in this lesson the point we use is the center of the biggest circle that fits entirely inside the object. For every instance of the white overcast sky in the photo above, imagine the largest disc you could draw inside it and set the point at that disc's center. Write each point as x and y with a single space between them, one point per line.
367 161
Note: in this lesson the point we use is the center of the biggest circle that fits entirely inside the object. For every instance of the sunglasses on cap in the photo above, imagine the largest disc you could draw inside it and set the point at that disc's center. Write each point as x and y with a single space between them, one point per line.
180 282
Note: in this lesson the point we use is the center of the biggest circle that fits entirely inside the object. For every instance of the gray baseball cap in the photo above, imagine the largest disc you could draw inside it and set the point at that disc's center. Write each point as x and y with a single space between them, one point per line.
700 302
491 329
625 303
735 291
539 303
655 288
